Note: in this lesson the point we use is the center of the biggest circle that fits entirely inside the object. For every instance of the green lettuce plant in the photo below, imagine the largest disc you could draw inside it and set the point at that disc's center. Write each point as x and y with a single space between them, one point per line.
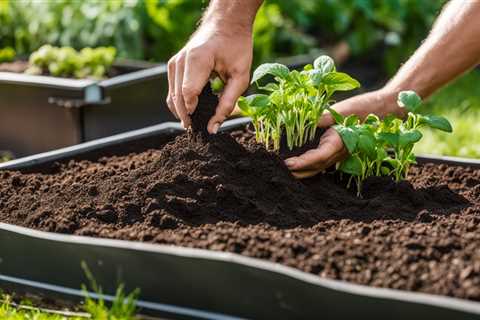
384 147
68 62
294 101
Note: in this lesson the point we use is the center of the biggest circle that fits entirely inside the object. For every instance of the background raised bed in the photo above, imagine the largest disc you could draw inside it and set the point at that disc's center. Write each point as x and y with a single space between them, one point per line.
41 113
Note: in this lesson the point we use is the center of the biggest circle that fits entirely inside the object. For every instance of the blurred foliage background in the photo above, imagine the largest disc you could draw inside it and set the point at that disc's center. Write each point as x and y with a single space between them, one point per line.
380 35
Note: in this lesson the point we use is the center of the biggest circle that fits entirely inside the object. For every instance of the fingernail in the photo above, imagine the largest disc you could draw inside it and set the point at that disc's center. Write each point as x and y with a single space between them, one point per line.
290 162
216 126
183 124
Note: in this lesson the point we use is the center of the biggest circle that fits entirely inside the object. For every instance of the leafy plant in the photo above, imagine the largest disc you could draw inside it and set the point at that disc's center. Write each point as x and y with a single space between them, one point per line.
123 307
7 54
384 147
295 101
67 62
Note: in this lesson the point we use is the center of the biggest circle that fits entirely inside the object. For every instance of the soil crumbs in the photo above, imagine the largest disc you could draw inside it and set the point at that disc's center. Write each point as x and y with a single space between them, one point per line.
212 193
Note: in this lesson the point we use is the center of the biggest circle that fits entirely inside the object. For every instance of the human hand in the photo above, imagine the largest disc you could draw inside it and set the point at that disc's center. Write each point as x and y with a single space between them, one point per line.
331 149
211 49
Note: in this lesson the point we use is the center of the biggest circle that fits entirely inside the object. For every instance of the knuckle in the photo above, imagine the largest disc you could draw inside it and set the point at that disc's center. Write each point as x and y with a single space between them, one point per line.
189 92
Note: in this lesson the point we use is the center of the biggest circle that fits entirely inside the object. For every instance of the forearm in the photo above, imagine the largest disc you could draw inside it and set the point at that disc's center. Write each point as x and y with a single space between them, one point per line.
452 48
232 15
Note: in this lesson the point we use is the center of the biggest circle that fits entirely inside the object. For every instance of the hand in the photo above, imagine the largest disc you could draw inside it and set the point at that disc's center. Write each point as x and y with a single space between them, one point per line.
331 149
211 49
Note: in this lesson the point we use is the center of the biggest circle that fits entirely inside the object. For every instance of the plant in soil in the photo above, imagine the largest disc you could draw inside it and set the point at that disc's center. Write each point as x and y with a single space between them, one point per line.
123 306
294 101
384 147
67 62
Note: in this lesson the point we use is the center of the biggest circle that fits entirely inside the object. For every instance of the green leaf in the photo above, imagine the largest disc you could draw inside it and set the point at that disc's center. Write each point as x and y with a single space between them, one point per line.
325 64
349 137
308 67
252 104
389 138
258 100
436 122
381 154
409 137
274 69
372 119
366 144
339 119
351 120
352 165
409 100
315 77
339 81
217 85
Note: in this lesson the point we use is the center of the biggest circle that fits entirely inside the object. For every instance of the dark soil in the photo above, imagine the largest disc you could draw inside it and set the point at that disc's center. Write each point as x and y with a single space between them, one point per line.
421 235
20 66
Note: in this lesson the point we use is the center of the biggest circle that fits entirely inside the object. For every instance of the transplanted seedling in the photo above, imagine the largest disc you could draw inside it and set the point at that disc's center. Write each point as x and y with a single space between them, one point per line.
384 147
294 101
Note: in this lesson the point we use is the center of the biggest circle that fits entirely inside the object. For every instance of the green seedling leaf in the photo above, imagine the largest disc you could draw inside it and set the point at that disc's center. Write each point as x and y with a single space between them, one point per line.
253 104
217 85
270 87
308 67
274 69
325 64
390 138
351 120
409 137
372 119
339 119
339 81
366 144
352 165
349 137
436 122
409 100
315 77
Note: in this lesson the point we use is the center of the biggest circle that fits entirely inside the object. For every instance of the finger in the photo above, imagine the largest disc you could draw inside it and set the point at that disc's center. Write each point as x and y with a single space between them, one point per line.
196 75
330 146
233 89
179 103
305 173
171 86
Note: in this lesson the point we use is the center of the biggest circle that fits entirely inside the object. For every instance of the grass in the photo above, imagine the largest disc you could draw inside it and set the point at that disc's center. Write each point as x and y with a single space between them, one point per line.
460 103
123 307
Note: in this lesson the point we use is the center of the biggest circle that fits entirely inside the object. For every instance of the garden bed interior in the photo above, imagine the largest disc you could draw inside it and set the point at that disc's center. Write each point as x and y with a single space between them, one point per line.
212 193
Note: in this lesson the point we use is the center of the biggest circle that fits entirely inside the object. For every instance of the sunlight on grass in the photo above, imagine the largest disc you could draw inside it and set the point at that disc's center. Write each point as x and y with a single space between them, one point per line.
460 103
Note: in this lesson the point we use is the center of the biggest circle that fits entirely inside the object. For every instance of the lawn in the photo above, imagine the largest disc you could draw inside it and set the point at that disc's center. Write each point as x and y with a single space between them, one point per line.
460 103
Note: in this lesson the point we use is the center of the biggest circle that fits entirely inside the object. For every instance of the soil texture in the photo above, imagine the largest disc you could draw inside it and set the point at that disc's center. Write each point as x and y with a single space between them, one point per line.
214 193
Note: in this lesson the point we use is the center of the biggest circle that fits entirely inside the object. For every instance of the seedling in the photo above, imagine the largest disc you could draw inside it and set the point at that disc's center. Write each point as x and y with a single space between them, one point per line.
68 62
384 147
294 102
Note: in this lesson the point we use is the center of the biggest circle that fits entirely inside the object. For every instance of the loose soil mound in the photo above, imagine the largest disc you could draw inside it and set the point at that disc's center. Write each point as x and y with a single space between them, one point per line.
212 193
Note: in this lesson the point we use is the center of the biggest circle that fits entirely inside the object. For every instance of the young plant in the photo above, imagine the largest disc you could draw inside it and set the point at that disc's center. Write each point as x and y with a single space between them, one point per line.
67 62
384 147
294 101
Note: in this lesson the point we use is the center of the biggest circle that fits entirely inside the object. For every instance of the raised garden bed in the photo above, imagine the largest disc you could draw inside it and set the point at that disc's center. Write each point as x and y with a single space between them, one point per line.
41 113
259 244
